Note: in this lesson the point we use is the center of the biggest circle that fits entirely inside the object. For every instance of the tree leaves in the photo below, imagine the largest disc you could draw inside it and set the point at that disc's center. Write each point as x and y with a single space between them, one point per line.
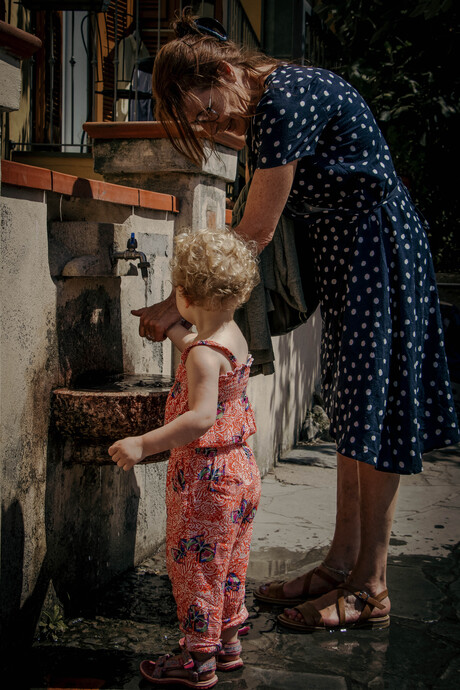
403 58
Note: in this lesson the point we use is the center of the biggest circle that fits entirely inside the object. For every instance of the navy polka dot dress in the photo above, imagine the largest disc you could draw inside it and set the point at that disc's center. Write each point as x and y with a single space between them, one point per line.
384 371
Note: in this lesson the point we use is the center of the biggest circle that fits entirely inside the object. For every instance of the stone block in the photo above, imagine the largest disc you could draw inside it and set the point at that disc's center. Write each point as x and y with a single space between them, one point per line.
155 157
10 82
126 407
86 249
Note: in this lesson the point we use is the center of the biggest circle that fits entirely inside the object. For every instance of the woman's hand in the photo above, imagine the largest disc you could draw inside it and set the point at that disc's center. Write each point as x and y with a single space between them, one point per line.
156 319
127 452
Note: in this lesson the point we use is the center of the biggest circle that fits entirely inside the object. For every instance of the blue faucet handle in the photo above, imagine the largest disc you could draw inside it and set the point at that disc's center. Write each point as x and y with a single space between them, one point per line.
132 242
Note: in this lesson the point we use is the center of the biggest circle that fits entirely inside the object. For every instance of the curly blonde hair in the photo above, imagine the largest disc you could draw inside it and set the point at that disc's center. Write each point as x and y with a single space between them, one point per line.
215 268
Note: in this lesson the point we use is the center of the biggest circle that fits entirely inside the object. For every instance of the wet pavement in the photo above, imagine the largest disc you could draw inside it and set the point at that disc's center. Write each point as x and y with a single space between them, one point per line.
135 617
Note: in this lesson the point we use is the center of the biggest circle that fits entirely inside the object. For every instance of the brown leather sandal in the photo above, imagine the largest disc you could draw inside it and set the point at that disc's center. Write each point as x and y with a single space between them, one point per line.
275 594
309 612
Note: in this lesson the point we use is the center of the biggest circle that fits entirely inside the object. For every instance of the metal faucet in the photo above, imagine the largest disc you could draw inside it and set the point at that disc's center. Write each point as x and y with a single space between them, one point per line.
131 252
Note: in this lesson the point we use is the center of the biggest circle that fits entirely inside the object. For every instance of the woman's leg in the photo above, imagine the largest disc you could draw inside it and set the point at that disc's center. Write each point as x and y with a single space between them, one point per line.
344 548
378 493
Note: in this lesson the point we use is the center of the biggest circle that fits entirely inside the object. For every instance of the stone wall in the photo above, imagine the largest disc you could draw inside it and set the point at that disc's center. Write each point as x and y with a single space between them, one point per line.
281 400
28 370
67 525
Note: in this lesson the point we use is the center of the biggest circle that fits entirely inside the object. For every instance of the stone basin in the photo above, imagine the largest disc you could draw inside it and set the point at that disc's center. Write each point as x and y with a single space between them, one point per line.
93 416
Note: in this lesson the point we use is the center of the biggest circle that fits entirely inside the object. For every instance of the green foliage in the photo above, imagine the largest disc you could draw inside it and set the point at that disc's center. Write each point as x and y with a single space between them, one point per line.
51 624
403 57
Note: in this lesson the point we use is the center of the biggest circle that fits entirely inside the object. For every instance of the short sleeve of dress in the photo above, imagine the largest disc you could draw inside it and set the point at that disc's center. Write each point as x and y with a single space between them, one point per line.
289 120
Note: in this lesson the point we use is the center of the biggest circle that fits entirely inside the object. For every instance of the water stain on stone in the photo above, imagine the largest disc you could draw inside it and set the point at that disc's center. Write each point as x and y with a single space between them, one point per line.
135 617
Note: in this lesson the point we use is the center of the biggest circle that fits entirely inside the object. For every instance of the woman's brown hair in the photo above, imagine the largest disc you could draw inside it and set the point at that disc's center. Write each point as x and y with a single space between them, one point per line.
192 61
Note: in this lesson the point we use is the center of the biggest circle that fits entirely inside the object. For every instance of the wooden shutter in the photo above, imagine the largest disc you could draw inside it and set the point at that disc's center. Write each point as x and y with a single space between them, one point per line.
122 16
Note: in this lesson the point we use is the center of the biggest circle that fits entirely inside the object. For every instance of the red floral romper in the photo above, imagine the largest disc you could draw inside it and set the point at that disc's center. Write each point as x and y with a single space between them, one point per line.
212 494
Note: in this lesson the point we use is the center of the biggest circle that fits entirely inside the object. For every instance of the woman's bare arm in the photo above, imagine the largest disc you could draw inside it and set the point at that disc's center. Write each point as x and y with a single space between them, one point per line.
266 200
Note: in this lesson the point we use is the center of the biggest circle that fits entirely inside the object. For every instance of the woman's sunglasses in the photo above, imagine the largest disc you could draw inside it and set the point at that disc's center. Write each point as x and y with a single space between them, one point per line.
208 114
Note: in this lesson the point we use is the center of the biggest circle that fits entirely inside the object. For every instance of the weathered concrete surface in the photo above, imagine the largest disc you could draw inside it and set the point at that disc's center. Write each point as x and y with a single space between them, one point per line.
134 618
10 82
155 165
28 370
91 418
281 400
156 157
96 294
64 522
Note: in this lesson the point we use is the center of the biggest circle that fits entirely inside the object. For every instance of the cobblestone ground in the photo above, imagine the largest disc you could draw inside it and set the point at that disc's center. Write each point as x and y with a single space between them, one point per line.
134 618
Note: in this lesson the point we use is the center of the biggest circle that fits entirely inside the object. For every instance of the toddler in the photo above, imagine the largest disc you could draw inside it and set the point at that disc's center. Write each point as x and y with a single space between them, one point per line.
213 483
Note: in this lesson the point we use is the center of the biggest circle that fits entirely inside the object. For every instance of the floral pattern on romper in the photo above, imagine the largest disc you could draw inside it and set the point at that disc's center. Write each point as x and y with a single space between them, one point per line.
212 494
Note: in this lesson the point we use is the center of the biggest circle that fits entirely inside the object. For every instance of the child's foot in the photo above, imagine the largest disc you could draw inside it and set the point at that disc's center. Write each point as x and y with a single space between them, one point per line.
229 659
244 630
181 669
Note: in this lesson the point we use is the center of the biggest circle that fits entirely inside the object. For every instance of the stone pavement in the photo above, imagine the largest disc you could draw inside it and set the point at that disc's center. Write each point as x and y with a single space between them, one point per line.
135 618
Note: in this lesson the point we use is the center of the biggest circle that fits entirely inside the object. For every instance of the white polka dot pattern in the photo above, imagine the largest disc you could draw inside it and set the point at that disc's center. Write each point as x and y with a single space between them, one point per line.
384 371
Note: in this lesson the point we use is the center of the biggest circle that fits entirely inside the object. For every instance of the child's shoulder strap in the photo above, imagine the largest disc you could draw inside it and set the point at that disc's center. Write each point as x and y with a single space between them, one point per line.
217 346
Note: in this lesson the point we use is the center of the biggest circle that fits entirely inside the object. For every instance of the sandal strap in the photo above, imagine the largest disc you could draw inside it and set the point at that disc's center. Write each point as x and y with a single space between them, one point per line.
307 610
330 579
275 589
185 661
196 667
369 601
366 597
319 572
165 663
231 648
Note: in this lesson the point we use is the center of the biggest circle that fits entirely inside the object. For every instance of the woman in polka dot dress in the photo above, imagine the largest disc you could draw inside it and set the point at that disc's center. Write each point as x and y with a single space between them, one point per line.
320 157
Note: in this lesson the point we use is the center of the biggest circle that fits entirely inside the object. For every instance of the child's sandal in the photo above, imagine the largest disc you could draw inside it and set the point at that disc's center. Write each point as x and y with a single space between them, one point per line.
200 674
228 659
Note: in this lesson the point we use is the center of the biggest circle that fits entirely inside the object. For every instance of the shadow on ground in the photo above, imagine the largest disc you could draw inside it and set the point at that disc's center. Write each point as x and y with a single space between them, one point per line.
135 618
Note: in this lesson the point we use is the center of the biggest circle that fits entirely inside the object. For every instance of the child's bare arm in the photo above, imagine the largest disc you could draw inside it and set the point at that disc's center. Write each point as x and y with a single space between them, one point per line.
203 368
179 335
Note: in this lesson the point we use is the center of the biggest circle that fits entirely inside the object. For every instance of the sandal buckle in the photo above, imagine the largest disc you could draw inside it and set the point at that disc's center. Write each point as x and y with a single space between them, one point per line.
363 595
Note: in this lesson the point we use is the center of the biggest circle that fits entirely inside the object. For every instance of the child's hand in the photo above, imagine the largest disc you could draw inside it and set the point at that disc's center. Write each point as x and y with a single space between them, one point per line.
127 452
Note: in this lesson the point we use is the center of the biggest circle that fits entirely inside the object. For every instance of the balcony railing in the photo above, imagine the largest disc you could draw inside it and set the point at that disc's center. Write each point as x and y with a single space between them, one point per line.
96 66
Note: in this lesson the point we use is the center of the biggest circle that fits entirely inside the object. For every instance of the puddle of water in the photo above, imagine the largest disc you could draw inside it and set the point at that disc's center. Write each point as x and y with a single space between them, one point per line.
275 562
125 383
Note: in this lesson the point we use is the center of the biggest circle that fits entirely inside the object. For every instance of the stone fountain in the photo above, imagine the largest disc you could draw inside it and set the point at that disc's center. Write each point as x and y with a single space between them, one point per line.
99 283
116 382
112 382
